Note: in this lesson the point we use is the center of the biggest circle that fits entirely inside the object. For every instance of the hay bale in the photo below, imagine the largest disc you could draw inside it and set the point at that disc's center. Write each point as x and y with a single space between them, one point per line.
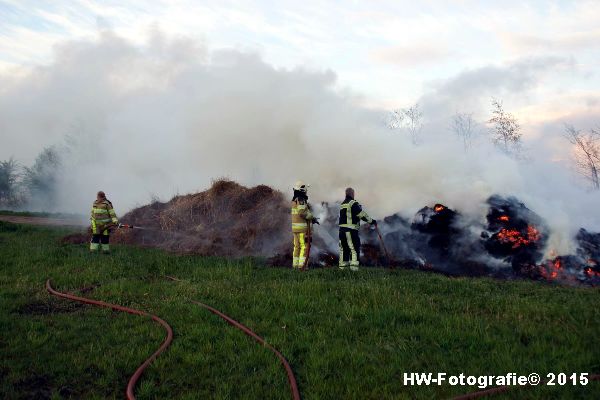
226 220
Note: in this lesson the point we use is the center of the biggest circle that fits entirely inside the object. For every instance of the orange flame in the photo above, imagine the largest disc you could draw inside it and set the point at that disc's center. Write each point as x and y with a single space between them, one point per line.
553 269
533 234
514 236
438 208
557 264
504 218
591 273
550 269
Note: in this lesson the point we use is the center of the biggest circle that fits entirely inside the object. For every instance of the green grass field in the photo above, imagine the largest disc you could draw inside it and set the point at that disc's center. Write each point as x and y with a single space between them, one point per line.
346 335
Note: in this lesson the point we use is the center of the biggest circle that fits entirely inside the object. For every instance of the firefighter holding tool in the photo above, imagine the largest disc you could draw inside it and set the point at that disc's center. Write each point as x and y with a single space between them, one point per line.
103 218
351 213
302 217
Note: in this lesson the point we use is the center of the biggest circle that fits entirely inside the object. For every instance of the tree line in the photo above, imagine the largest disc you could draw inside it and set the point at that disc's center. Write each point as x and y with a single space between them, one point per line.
19 184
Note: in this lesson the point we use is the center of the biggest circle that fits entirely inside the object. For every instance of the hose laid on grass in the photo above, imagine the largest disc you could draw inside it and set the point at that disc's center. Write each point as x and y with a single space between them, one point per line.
138 372
502 389
249 332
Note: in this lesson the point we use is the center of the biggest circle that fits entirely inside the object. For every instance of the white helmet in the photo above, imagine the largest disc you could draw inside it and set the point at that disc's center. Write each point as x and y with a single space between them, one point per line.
301 186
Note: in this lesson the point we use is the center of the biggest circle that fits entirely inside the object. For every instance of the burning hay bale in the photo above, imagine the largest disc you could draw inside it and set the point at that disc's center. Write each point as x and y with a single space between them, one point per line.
438 222
518 235
589 245
589 253
514 233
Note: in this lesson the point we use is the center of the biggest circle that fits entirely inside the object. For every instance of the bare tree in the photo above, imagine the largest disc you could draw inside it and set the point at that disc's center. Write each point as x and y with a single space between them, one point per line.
463 125
414 117
396 119
587 152
506 131
410 119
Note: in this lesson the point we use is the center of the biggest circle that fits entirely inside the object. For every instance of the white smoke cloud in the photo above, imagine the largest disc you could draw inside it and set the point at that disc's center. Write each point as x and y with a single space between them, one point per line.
171 116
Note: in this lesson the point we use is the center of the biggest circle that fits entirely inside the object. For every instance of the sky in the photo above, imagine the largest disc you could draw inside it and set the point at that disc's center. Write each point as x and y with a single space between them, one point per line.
389 52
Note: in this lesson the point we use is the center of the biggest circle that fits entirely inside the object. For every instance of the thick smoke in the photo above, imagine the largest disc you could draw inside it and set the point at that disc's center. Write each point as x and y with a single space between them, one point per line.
170 117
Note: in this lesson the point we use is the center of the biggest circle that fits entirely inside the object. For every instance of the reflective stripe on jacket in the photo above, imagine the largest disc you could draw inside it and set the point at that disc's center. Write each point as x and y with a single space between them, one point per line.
103 214
300 216
351 213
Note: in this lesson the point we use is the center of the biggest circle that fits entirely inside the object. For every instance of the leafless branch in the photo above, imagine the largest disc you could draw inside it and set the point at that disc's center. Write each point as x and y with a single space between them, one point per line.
586 152
506 131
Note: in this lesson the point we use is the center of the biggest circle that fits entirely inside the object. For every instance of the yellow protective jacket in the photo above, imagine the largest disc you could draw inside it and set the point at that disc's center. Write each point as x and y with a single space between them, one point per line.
301 216
103 216
351 213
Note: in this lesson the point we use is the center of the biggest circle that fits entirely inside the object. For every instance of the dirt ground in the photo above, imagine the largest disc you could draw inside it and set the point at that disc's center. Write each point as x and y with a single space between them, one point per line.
17 219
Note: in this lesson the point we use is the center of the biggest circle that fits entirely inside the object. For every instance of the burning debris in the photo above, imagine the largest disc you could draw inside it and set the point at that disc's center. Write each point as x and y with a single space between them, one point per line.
589 253
561 268
438 223
232 220
519 236
514 233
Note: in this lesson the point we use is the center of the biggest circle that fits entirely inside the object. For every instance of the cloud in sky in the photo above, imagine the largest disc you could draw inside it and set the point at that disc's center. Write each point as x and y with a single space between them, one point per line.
471 86
379 38
411 56
565 43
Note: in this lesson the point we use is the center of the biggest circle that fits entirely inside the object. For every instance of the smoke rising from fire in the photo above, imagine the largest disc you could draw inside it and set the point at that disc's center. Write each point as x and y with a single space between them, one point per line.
171 116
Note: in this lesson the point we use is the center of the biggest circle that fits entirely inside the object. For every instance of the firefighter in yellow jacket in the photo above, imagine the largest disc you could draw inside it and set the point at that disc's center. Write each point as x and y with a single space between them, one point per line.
103 217
301 217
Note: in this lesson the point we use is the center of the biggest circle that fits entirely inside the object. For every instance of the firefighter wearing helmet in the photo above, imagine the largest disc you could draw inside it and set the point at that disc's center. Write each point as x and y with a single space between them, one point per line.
301 218
103 218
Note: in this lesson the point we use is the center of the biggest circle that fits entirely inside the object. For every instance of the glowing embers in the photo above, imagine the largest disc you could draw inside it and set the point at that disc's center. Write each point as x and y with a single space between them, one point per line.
592 271
516 238
551 268
567 269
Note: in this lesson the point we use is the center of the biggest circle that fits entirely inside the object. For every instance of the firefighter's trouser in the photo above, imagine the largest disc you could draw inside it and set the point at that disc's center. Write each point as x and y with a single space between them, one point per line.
299 249
100 237
100 241
349 248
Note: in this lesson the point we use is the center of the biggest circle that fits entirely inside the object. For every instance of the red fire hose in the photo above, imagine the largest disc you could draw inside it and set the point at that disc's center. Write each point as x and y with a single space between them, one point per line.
136 375
249 332
387 256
